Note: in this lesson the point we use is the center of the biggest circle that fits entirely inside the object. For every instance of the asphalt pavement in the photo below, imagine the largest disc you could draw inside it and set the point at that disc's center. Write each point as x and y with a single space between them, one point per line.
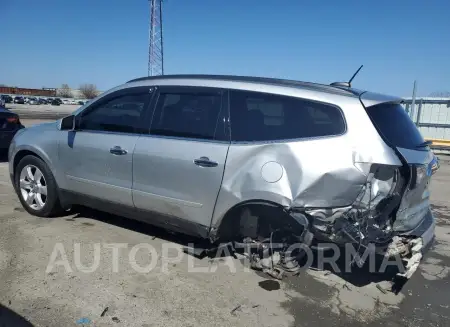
41 111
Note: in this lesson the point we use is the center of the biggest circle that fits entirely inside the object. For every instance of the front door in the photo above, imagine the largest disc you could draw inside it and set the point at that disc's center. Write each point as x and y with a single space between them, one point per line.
178 166
97 158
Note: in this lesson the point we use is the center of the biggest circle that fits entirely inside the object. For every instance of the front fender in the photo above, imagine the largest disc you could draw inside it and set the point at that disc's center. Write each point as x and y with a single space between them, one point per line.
41 141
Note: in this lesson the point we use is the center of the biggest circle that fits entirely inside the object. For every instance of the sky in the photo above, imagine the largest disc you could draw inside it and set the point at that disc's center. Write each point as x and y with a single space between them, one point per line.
46 43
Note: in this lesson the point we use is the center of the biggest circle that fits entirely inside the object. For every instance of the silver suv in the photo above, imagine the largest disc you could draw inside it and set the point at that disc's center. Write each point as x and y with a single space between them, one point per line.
237 158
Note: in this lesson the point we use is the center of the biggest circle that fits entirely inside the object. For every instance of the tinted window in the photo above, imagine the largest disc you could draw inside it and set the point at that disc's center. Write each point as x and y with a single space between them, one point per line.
186 115
121 114
394 124
266 117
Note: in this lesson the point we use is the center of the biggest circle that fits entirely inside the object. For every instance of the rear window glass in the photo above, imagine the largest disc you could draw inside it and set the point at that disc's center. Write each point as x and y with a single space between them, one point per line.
394 124
259 116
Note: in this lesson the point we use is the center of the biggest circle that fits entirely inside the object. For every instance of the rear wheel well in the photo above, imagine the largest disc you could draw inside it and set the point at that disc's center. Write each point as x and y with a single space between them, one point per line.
230 227
20 155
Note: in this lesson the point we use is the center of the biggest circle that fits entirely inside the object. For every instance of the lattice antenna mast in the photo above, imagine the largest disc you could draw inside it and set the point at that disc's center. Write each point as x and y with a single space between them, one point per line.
155 44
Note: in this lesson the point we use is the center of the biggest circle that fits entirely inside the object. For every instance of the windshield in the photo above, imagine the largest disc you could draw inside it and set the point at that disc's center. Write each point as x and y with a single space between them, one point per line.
396 127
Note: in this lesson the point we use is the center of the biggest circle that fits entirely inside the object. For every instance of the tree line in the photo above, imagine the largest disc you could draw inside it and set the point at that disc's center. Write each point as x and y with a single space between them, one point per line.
88 91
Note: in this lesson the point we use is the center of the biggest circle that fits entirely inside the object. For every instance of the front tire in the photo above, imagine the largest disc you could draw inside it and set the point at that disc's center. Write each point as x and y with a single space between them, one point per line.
36 187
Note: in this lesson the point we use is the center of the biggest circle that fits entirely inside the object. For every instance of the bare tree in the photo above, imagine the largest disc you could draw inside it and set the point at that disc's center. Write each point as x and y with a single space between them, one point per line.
89 91
440 94
65 91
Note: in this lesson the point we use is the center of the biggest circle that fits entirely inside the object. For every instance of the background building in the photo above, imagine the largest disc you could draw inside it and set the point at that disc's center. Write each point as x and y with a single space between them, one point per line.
48 92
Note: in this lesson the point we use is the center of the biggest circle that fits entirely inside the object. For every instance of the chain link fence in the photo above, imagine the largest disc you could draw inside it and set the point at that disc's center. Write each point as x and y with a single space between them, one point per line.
432 117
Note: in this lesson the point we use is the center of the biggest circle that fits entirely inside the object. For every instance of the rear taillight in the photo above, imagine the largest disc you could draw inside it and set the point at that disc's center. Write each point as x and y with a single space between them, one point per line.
434 165
12 120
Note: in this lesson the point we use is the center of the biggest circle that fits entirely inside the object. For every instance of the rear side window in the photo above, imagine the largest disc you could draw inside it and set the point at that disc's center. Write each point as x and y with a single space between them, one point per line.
259 116
187 115
392 121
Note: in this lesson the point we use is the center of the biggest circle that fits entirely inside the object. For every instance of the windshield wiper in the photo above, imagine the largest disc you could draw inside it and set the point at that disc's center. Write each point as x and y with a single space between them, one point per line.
424 144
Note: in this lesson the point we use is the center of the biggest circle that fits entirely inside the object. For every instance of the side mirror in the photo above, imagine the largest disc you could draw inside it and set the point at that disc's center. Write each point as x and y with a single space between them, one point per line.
68 123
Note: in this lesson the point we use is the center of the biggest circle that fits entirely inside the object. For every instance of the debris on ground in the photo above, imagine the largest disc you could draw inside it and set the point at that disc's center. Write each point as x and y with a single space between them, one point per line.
83 321
382 290
235 309
104 312
115 319
276 273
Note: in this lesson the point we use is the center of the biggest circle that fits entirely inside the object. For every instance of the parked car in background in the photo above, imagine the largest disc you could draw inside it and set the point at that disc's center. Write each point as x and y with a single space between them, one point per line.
9 125
2 103
56 102
238 158
7 98
19 100
33 101
42 101
80 102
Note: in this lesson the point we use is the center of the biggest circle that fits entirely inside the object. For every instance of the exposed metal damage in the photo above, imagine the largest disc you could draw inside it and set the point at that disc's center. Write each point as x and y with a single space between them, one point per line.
275 236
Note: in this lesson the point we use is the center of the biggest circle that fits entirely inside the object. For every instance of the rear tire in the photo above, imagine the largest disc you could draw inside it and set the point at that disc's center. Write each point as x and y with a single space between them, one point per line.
36 187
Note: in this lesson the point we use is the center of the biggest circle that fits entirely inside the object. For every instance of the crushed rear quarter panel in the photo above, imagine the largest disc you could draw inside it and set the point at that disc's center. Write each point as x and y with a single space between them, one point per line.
305 173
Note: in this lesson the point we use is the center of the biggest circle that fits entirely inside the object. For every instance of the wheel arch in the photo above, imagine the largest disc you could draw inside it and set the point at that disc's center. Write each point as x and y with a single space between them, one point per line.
228 219
22 153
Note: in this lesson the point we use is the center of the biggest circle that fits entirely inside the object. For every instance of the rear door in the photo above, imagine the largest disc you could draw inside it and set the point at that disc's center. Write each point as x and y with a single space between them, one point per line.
178 166
399 131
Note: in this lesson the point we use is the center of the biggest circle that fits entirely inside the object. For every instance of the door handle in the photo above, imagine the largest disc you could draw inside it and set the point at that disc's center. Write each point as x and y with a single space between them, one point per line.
117 150
205 162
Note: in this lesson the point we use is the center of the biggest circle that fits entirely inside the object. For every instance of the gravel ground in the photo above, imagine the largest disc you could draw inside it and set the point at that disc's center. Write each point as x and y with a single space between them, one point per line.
32 295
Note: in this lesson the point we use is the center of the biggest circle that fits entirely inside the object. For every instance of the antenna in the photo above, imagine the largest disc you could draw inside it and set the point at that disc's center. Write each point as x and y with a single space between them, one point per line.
349 83
354 75
155 39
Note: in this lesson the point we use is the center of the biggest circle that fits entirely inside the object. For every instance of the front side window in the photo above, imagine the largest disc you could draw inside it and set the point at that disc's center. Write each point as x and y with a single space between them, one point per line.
189 115
119 114
259 116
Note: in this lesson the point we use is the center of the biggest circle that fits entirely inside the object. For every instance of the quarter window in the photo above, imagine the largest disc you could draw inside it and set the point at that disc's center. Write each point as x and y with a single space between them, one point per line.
266 117
190 115
120 114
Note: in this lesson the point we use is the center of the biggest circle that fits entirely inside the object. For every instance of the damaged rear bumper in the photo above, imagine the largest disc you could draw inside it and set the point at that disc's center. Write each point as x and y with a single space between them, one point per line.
425 230
413 245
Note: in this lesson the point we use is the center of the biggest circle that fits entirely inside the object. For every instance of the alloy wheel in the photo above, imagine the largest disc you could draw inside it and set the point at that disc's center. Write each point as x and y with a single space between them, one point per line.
33 187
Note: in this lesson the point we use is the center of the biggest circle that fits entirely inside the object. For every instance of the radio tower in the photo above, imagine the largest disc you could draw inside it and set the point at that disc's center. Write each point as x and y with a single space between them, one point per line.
155 40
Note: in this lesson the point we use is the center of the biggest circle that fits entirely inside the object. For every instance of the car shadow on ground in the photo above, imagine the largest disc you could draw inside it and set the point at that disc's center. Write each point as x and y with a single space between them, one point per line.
375 269
137 226
3 156
358 275
9 318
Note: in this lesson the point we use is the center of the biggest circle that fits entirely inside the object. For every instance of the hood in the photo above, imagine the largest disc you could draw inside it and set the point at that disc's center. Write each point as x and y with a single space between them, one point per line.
45 126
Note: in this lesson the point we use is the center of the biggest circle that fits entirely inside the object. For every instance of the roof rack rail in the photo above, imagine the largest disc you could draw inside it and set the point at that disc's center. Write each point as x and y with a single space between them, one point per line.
251 79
